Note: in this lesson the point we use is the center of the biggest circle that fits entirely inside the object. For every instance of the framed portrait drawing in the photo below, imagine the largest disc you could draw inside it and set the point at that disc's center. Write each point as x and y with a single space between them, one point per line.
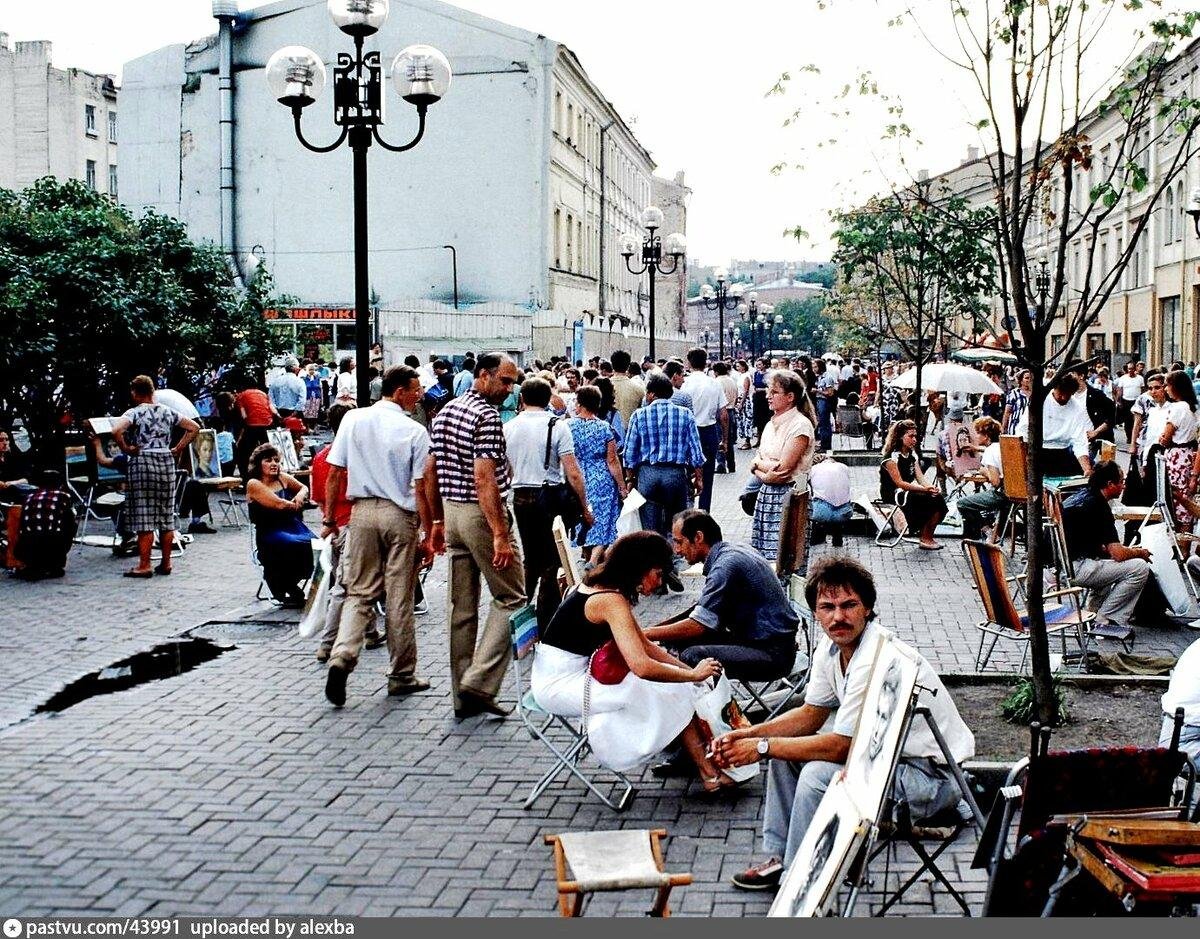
962 441
810 884
876 741
281 439
205 462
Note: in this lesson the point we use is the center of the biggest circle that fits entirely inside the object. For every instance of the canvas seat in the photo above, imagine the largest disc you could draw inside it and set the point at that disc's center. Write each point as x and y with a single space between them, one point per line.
587 862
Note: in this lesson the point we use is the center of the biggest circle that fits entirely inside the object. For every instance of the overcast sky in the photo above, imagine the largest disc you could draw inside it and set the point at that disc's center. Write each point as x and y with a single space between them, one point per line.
692 77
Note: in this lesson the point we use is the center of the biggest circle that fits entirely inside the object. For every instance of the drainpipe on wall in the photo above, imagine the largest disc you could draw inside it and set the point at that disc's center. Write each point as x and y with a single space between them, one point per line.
226 12
603 213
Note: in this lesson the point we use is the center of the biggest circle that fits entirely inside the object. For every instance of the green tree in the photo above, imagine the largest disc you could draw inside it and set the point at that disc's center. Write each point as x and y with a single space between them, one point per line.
825 275
802 318
92 296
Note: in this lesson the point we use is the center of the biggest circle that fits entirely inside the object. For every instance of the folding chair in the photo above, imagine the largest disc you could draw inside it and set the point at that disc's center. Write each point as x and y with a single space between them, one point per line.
850 424
562 542
566 740
776 696
1065 571
1004 620
254 559
226 489
1139 780
894 526
1015 485
611 860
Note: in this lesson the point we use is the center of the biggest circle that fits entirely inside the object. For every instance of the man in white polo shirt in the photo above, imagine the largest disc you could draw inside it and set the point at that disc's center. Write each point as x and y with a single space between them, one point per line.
804 757
712 418
384 452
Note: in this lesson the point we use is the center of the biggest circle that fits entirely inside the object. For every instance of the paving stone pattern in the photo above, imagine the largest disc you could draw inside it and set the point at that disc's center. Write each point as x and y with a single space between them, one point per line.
236 789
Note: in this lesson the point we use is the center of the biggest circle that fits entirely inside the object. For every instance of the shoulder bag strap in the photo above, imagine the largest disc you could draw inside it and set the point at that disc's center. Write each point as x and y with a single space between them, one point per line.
549 441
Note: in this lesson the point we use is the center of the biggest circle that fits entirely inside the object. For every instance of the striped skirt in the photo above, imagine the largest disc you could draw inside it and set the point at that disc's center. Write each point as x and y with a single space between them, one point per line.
768 518
151 502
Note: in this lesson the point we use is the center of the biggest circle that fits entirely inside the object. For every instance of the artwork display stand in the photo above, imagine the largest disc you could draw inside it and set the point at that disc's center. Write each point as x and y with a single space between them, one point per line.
858 873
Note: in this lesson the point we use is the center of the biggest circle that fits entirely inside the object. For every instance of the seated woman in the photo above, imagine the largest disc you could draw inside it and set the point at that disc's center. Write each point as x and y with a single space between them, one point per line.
630 722
284 543
923 505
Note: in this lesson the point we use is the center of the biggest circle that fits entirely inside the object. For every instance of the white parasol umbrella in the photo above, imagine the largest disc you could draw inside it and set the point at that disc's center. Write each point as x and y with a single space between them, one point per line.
949 377
984 354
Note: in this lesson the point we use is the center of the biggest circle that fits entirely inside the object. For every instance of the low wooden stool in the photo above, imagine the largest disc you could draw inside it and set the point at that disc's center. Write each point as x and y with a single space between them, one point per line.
611 860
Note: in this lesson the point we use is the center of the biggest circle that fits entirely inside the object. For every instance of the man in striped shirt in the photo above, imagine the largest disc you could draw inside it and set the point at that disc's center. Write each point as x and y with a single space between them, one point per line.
472 482
662 446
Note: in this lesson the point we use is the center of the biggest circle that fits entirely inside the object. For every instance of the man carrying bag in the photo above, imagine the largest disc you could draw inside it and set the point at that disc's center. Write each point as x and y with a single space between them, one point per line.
542 452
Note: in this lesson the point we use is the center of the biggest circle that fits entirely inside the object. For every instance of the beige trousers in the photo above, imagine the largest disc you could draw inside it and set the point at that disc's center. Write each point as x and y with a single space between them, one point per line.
478 663
379 557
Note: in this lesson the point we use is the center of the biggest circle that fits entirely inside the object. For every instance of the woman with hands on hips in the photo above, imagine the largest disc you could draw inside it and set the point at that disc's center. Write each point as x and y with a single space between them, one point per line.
630 722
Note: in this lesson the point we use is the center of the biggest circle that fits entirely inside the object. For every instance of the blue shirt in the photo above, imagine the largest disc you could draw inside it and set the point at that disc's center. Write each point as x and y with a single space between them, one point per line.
663 432
288 392
743 596
462 382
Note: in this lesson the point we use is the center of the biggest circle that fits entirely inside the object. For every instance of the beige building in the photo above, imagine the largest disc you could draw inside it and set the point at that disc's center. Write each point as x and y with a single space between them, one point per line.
1154 311
670 290
54 122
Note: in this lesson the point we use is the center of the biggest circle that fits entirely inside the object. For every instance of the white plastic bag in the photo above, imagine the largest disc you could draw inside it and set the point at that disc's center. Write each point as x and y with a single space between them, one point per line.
630 519
719 714
312 623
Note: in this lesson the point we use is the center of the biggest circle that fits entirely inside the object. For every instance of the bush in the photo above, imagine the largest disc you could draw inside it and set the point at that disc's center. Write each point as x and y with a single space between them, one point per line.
1019 708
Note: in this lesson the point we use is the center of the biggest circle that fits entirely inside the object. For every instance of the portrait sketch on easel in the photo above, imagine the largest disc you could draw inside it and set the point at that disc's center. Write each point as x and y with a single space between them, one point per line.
876 742
810 884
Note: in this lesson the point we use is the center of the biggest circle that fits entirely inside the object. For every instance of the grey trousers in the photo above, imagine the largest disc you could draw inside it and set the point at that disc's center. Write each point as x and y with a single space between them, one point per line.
794 790
1119 582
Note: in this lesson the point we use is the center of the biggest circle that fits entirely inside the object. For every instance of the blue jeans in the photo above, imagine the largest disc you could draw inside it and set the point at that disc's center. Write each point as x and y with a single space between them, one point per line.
666 491
825 408
710 442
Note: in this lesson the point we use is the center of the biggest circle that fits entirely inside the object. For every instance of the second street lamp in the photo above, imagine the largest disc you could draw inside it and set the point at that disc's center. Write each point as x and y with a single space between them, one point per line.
652 256
421 75
720 299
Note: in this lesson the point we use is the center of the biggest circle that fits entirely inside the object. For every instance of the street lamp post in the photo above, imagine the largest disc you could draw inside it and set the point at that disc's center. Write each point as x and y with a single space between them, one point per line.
785 337
720 299
748 311
704 338
296 76
652 256
733 337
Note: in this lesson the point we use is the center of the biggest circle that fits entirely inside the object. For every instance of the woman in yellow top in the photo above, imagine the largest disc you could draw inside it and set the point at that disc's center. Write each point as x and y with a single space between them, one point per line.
785 455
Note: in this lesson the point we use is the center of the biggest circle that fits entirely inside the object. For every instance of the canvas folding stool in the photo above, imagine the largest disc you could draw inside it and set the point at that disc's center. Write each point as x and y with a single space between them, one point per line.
587 862
565 739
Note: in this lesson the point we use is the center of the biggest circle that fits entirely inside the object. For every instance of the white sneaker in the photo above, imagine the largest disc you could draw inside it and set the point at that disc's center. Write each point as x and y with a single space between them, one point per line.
420 609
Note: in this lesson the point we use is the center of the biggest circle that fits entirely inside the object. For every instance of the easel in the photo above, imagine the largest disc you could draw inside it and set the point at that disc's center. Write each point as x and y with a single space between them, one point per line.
1166 512
869 850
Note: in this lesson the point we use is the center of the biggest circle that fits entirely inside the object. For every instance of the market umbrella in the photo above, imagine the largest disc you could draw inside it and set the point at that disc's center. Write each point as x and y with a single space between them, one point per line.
949 378
984 354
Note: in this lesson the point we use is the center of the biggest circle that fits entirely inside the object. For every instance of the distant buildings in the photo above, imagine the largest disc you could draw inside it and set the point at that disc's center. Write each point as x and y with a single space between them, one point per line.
54 122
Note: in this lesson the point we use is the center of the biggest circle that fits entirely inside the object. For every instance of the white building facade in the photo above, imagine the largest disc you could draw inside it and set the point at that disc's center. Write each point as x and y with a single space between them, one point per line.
508 173
55 122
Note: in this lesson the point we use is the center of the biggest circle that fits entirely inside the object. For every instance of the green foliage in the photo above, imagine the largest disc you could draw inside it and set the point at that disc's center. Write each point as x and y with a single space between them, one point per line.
802 318
92 296
1020 707
825 275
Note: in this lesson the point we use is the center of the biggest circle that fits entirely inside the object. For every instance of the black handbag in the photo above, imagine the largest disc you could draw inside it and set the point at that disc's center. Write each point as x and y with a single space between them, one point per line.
559 498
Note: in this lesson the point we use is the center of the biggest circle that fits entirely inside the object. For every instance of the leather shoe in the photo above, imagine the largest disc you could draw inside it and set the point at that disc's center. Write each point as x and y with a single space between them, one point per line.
397 688
335 685
677 767
473 704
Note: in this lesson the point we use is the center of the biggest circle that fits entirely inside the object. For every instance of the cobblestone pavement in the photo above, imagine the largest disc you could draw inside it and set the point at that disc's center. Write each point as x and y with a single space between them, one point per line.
236 789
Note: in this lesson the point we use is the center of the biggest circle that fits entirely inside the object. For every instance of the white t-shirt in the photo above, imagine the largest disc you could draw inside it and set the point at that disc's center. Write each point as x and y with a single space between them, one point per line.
829 687
525 439
1131 386
779 431
1181 415
1184 689
383 451
830 481
991 457
707 397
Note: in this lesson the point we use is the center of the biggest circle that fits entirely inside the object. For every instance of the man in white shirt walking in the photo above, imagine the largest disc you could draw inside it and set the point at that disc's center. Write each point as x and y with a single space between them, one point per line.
1065 429
1126 390
712 418
385 454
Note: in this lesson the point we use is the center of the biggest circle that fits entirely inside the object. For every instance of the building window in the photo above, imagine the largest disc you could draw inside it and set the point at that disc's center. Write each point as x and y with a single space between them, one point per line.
90 174
112 179
89 119
1137 346
557 238
1168 217
1179 209
112 126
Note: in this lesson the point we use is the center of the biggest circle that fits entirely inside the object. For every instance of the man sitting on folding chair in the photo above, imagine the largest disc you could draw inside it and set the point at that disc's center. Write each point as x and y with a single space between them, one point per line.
1101 562
743 619
804 759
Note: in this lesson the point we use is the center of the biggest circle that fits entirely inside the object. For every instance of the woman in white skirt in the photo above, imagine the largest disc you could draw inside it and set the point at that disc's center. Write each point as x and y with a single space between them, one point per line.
628 723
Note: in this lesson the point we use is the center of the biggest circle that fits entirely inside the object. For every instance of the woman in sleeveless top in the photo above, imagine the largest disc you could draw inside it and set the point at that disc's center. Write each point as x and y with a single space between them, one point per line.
628 723
923 506
276 501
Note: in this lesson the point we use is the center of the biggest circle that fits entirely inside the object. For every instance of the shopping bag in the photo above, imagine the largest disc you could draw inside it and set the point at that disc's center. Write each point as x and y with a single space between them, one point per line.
312 623
719 713
630 519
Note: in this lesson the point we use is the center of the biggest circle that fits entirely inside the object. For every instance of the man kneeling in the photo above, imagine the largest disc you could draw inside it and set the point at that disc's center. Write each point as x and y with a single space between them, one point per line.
805 756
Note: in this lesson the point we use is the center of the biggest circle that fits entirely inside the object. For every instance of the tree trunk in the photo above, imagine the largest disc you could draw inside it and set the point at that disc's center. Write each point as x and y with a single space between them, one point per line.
1043 679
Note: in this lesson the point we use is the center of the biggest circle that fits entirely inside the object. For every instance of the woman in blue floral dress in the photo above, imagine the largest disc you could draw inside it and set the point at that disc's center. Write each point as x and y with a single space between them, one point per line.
603 477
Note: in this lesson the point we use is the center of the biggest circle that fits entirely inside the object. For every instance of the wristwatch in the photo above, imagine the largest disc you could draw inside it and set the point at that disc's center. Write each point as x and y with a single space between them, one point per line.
764 748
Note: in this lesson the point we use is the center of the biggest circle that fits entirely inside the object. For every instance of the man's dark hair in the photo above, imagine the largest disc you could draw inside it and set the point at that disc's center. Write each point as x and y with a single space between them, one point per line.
412 361
1105 474
720 368
372 373
487 362
697 520
840 571
344 363
673 368
605 366
1067 384
397 378
660 386
443 364
634 370
336 413
629 560
697 358
536 392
